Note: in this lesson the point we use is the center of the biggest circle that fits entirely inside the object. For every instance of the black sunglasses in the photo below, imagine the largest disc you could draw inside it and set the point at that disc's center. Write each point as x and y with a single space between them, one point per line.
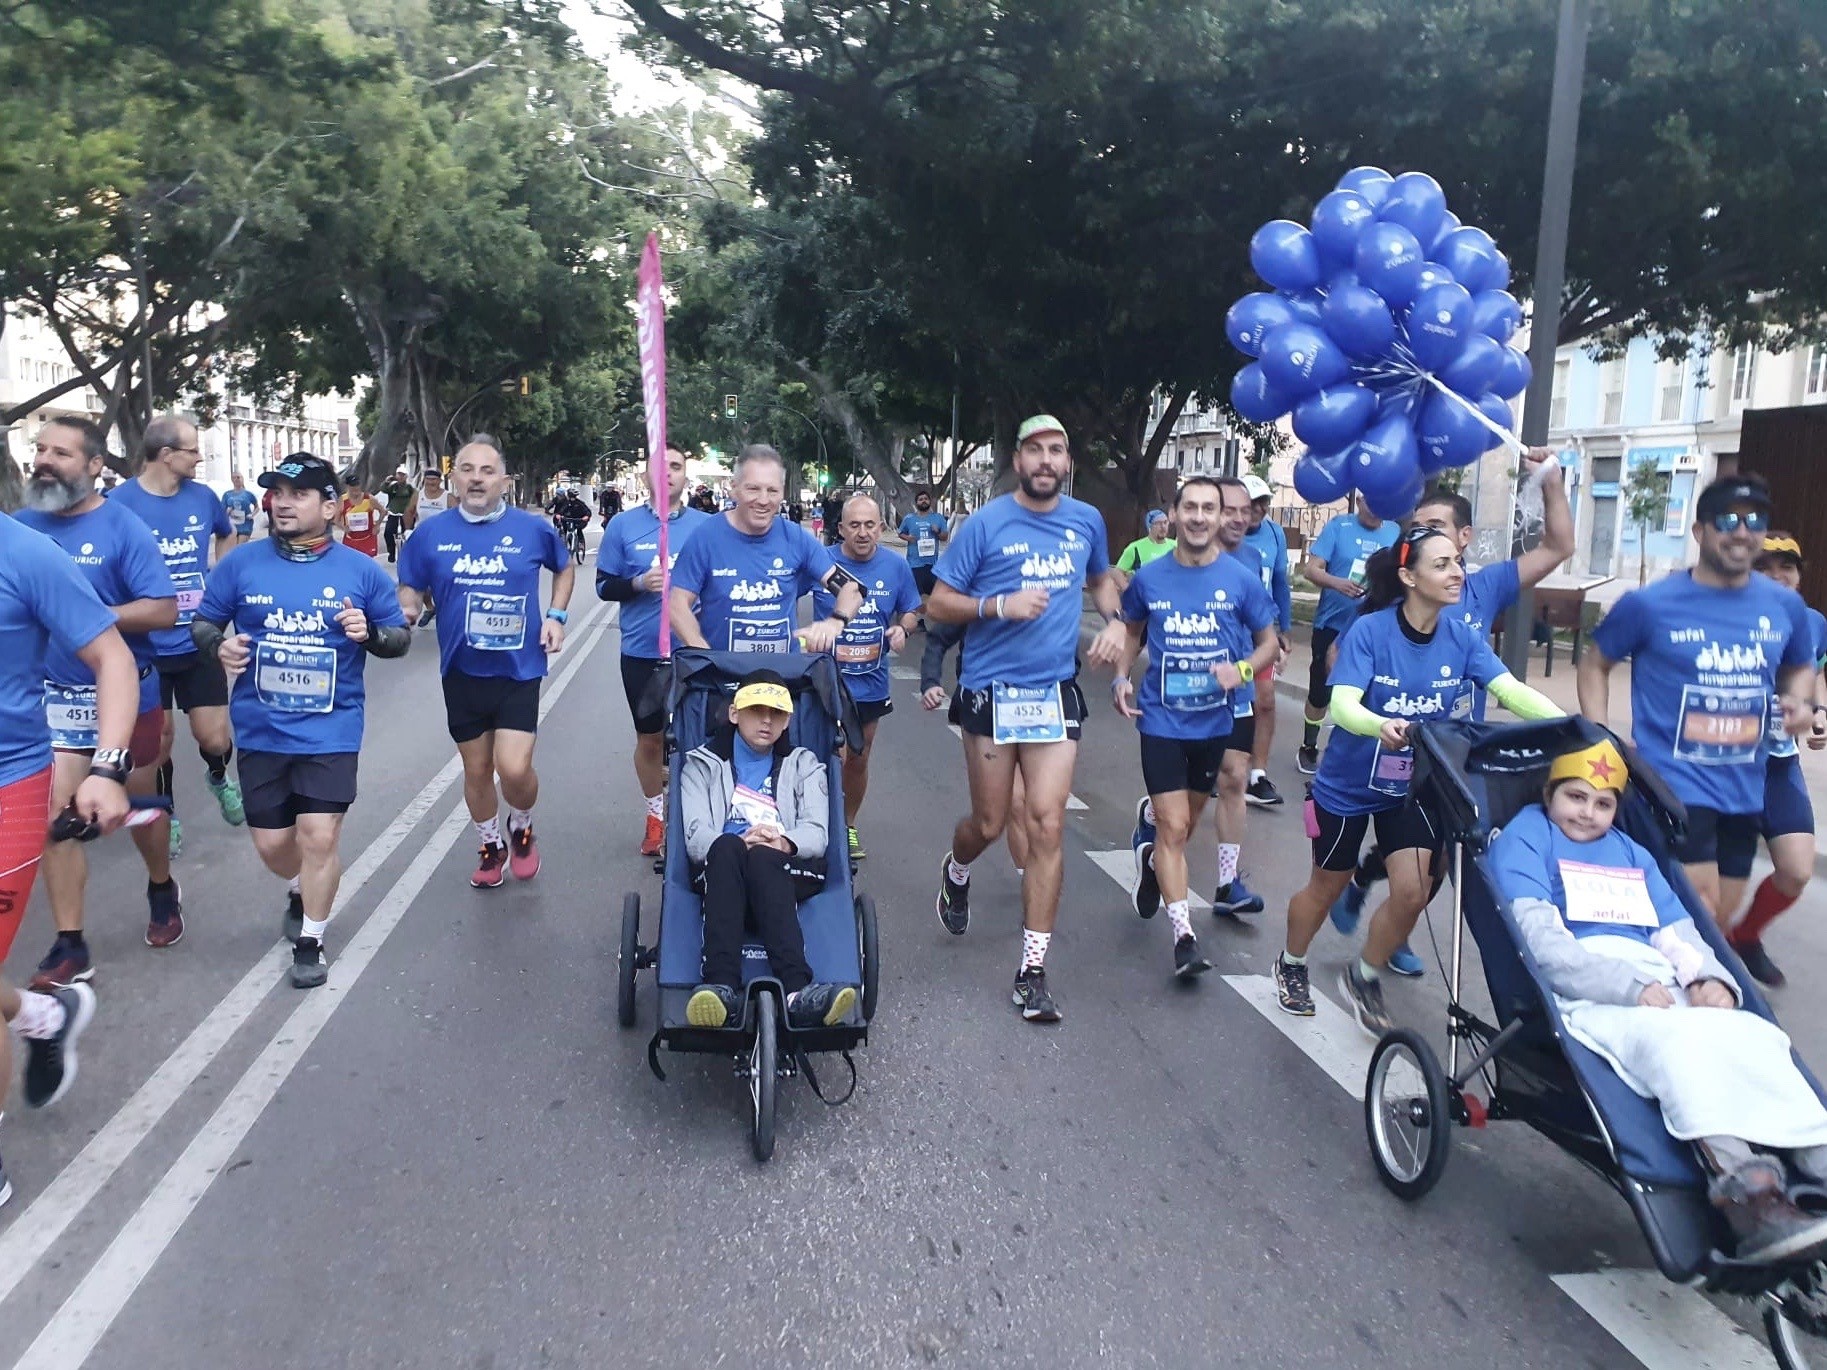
1757 521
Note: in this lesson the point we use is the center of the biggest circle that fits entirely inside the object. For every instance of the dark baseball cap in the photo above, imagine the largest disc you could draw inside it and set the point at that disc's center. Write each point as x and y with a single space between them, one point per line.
1721 495
302 471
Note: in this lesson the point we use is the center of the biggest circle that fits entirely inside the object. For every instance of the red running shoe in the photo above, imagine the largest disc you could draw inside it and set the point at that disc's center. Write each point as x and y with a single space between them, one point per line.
523 853
489 873
654 838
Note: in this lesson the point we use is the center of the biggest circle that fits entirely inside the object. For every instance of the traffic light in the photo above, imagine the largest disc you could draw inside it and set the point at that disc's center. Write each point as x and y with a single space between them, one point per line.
824 479
526 386
729 407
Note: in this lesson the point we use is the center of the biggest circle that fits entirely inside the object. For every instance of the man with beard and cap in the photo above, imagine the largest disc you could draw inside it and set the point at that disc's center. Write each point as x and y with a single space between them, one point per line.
924 531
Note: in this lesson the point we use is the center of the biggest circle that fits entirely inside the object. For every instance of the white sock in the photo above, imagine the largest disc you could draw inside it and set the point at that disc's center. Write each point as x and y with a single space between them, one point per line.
1034 948
316 927
1148 812
1179 913
519 820
40 1015
656 805
1256 775
1228 855
1368 971
1293 960
293 887
957 874
489 830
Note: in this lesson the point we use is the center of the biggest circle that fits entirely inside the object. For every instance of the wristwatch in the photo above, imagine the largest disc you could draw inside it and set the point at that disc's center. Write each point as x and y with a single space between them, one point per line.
1246 671
111 763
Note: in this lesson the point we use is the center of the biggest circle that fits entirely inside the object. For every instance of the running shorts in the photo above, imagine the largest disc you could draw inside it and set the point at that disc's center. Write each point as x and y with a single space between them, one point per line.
1337 838
476 704
278 786
976 717
1173 764
1787 807
192 681
637 671
1725 840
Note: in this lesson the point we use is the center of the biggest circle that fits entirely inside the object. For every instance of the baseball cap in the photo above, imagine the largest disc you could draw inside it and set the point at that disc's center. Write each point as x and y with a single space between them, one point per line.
1154 514
1257 488
769 694
302 471
1040 423
1721 495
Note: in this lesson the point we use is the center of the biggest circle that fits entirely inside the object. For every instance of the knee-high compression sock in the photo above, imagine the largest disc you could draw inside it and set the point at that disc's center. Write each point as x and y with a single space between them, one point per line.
218 765
1766 906
1310 731
164 778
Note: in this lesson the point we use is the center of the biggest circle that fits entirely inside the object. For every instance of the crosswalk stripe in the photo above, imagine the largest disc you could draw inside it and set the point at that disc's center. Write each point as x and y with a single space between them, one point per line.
1665 1326
1332 1039
1120 866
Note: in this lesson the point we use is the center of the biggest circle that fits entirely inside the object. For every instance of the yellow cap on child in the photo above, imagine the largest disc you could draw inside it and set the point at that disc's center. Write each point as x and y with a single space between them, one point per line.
765 694
1601 766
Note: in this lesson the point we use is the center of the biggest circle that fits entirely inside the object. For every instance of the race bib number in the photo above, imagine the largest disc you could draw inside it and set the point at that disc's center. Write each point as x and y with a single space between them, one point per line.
1187 683
1390 771
71 713
358 523
1720 727
760 634
858 658
1777 741
754 808
1607 894
1021 713
295 680
927 547
189 585
1356 577
495 623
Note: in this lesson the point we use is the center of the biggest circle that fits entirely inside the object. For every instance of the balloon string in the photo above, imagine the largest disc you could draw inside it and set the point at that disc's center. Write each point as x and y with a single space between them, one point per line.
1509 439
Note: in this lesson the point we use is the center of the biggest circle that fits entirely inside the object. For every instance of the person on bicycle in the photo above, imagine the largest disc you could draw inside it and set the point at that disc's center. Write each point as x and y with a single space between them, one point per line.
572 516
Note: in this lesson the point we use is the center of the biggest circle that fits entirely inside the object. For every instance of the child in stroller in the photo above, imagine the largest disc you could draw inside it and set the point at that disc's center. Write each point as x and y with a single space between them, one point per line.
1631 975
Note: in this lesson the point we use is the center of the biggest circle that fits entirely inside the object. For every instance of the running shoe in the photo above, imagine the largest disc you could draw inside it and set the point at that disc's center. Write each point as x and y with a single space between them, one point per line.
523 853
1405 963
429 616
165 923
1348 908
1292 988
175 847
1143 831
654 837
1236 899
1307 760
310 967
1758 962
293 924
1031 996
1187 960
228 798
820 1005
1262 793
489 869
67 963
712 1006
954 901
50 1062
1364 998
856 846
1148 889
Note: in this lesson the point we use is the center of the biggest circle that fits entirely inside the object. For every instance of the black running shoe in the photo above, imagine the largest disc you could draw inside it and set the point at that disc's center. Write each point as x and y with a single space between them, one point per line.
1187 960
1292 988
310 967
1758 962
292 926
1365 1000
1031 996
820 1005
1148 889
1307 759
50 1062
954 902
1262 793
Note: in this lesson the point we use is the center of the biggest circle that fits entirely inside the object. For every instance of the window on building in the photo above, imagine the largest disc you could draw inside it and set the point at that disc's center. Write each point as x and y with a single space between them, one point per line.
1557 404
1611 391
342 434
1671 381
1817 371
1744 372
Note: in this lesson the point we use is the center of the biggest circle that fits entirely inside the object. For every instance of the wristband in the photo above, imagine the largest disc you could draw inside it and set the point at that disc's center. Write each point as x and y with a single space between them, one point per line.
113 762
558 615
999 599
981 601
1246 671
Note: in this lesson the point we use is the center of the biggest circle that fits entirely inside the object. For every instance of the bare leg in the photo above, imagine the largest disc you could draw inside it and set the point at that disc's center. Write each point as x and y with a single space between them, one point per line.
1410 883
1307 909
856 774
478 756
1233 778
650 763
991 772
1704 877
514 763
321 867
65 864
1017 828
1046 768
1265 723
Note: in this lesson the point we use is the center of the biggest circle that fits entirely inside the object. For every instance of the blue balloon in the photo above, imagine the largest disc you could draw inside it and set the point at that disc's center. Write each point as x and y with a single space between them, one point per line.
1398 506
1338 280
1306 305
1251 318
1385 460
1417 203
1389 261
1501 279
1298 359
1335 418
1498 413
1513 376
1338 219
1496 314
1255 399
1319 478
1401 403
1432 273
1449 432
1358 321
1285 256
1439 322
1476 366
1471 256
1449 224
1372 182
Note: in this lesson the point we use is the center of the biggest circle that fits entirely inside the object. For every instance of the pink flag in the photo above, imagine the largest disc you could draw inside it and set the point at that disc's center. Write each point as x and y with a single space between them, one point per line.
651 327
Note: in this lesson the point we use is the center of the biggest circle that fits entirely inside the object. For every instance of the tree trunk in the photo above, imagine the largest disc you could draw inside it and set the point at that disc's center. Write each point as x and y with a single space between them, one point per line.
879 450
389 347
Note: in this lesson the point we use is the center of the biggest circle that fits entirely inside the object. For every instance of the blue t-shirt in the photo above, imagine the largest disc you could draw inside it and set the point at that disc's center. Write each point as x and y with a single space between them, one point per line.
1489 592
119 557
752 803
1197 617
1403 679
44 604
888 592
1006 547
1271 546
241 505
1526 858
1345 545
922 534
1703 665
747 584
183 523
631 547
484 578
302 691
1778 743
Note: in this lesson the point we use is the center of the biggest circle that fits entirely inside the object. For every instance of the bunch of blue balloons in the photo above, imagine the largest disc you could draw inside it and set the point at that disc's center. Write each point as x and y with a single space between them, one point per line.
1387 337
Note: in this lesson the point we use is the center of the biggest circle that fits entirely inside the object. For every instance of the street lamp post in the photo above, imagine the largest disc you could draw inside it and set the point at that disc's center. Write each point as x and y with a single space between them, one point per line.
823 460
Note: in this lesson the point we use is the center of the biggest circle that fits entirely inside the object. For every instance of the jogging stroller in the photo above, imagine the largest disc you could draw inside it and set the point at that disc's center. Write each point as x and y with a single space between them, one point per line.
838 923
1476 777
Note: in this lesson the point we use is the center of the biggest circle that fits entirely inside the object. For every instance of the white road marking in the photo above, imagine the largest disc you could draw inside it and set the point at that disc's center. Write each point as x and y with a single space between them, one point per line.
39 1226
1665 1326
904 672
1331 1038
1074 802
1120 865
957 732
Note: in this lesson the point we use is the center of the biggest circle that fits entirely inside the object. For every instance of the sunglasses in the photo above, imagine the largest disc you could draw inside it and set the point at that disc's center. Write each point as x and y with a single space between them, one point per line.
1757 521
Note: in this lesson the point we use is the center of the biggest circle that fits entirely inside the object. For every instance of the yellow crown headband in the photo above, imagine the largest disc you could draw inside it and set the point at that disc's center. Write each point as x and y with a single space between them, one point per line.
1787 547
765 694
1601 766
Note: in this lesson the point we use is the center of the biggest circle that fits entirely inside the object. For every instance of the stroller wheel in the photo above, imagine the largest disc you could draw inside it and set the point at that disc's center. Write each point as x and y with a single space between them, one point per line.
868 952
1793 1341
1406 1113
630 959
763 1062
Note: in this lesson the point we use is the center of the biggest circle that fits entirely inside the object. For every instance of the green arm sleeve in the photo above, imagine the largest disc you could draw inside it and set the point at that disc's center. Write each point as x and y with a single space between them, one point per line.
1523 701
1349 713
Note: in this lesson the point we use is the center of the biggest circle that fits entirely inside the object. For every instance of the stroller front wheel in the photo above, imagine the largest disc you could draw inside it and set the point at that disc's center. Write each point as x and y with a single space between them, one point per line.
764 1061
1790 1342
1406 1115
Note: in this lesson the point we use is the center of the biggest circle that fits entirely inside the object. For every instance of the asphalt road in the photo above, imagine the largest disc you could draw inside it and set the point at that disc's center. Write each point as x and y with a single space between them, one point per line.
452 1156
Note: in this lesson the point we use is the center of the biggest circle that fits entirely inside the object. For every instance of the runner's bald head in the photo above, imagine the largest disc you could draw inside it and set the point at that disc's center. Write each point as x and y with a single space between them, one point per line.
857 503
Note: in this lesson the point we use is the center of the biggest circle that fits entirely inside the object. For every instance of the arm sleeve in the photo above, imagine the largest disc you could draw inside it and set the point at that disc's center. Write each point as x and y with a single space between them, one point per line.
609 586
1572 972
1523 700
1348 711
1279 587
207 636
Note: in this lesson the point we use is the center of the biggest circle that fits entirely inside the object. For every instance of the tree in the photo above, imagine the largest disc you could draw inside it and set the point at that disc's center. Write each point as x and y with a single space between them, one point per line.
1646 492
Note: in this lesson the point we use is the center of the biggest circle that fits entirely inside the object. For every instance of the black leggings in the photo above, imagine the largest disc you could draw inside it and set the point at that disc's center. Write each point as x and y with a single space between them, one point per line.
748 887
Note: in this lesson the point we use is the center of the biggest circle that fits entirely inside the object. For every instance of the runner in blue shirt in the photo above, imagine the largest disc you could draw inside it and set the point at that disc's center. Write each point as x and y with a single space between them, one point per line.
481 561
293 620
1209 626
1015 573
1402 663
737 583
185 515
881 626
924 530
628 572
240 505
119 557
1708 649
1336 563
1270 542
